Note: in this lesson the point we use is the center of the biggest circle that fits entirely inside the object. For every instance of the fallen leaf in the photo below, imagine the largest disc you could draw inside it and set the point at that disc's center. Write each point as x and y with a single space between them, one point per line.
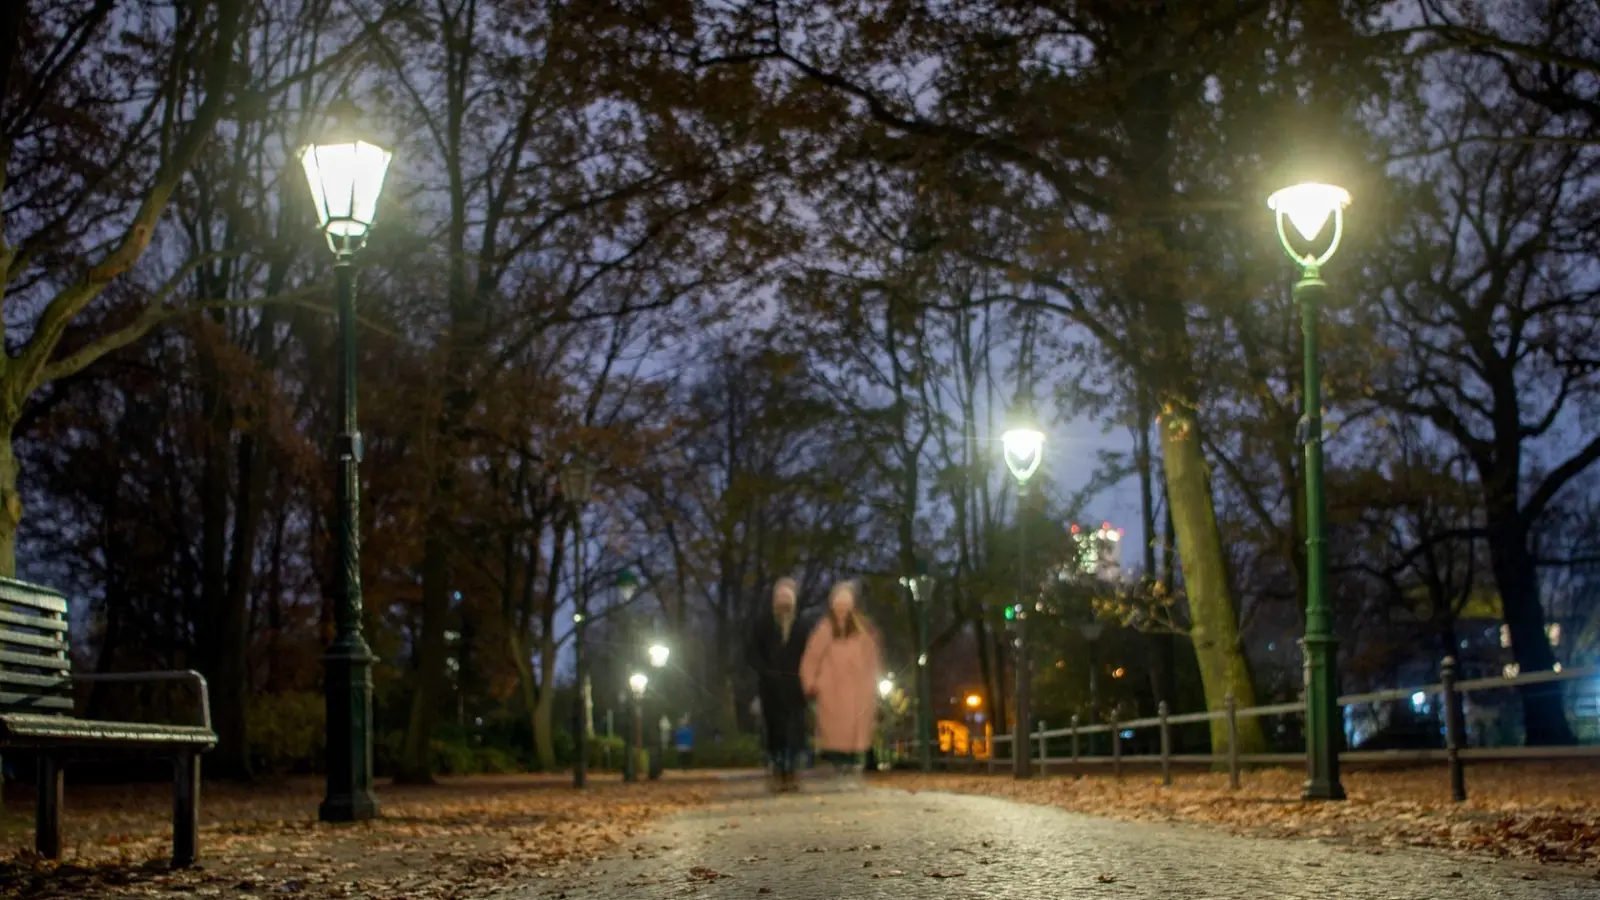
953 873
1104 878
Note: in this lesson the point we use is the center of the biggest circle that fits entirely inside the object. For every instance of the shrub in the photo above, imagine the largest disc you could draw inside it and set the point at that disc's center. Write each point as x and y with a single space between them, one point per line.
606 752
737 752
286 731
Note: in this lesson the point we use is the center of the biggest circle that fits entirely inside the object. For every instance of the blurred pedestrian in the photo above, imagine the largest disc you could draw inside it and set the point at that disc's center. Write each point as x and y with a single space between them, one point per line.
774 652
840 670
683 739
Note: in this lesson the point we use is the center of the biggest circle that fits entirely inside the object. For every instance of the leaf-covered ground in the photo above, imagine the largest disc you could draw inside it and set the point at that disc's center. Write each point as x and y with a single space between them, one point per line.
462 838
1548 813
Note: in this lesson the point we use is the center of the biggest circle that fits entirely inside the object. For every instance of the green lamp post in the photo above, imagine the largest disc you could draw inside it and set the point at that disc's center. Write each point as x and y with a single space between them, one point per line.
627 585
920 586
345 172
1023 444
1308 207
659 653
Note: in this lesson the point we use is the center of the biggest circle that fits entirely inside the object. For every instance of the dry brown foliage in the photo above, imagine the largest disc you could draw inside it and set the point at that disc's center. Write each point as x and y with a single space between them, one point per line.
459 838
1548 813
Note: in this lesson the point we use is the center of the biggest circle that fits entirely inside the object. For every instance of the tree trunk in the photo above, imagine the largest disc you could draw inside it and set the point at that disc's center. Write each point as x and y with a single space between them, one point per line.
525 680
1215 624
10 500
416 757
544 738
1516 574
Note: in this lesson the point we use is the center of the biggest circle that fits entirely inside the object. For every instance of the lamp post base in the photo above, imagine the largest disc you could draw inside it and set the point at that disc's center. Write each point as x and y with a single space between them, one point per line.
1324 736
352 807
348 694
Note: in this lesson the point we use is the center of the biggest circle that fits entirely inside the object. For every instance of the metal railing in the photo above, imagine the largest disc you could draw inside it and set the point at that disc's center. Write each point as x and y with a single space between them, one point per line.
1448 689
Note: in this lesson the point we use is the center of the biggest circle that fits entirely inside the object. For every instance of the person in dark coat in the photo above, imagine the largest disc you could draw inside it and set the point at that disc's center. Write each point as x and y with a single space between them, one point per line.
774 652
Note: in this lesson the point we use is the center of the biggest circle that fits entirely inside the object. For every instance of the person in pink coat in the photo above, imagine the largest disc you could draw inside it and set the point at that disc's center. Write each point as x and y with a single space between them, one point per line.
840 671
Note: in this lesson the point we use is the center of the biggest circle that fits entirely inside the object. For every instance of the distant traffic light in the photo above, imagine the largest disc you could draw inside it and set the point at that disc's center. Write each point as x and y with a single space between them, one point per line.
1011 613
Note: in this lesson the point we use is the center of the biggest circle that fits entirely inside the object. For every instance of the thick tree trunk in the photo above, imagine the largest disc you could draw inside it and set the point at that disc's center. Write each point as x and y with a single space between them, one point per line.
416 757
1215 623
544 737
10 500
1516 574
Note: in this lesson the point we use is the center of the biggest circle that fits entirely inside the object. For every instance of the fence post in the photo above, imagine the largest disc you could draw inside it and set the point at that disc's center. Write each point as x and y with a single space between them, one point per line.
1452 729
1233 742
1116 748
1044 767
1075 768
1166 746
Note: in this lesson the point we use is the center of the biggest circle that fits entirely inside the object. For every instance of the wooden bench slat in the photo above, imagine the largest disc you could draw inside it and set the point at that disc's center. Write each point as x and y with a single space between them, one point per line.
45 683
32 596
42 623
36 660
29 702
49 643
30 729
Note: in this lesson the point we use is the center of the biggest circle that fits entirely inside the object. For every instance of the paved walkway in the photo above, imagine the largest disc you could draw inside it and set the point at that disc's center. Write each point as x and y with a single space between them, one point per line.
872 843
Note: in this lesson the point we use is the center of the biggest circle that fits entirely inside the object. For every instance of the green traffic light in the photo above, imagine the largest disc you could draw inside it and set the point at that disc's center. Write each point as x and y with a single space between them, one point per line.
1011 613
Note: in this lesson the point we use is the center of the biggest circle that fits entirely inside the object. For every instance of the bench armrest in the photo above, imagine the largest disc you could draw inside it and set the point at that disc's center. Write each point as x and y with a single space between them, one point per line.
189 675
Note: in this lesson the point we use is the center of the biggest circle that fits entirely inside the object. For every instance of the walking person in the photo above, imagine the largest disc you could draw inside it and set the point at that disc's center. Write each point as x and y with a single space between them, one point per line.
774 652
840 670
683 738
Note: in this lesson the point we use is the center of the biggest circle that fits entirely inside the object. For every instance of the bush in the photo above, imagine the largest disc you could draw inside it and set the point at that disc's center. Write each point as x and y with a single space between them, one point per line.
606 752
453 756
741 751
286 731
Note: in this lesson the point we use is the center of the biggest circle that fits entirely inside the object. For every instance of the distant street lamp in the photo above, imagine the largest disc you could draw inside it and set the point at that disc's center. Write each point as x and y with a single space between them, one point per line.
1023 444
1308 207
638 681
659 653
345 172
885 688
920 586
577 483
627 586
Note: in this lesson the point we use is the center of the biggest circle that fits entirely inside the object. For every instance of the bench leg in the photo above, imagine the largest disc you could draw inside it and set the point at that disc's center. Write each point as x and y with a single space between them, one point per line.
47 820
185 808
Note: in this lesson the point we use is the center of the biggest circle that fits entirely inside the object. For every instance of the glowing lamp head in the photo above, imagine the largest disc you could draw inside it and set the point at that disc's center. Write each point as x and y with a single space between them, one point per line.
1024 448
345 172
1308 207
1022 441
885 687
659 654
638 681
974 701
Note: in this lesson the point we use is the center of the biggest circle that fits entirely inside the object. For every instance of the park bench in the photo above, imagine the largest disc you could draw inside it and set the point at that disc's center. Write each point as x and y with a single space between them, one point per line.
36 713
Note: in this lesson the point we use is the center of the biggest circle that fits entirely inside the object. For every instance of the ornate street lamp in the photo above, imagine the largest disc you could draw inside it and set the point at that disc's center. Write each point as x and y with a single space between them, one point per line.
920 586
638 681
577 483
1308 207
627 585
345 171
1023 444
